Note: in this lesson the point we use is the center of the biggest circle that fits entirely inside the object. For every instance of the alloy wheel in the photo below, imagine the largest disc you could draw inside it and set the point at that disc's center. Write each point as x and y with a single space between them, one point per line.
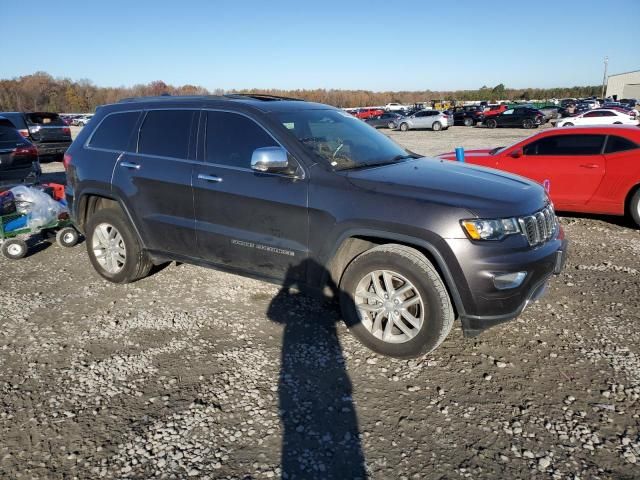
389 306
109 248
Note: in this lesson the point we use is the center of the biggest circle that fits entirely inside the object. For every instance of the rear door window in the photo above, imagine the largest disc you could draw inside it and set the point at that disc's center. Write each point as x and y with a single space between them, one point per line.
232 138
566 145
115 131
619 144
165 133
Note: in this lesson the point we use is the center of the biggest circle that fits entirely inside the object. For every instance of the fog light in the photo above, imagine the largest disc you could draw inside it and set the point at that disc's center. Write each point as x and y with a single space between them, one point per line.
509 280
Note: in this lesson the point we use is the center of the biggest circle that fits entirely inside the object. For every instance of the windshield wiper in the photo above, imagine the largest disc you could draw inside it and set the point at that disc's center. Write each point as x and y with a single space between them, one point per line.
395 159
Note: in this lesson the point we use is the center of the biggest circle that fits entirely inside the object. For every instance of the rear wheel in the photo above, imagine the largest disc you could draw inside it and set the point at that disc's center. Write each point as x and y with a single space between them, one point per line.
468 122
617 123
528 123
14 249
404 127
391 125
634 207
394 301
436 127
568 124
491 123
114 249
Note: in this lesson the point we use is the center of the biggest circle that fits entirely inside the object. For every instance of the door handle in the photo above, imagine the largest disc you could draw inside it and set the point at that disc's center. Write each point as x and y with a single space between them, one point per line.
135 166
589 165
209 178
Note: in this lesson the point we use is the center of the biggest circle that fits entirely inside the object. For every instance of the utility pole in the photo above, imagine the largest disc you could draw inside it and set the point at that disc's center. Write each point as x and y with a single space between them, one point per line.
604 79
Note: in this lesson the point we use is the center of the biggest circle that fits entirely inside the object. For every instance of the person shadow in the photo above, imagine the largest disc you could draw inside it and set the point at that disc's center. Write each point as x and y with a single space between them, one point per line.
321 437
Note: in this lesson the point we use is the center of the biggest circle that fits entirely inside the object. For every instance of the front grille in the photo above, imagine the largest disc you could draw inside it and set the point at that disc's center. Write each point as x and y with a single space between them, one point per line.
539 227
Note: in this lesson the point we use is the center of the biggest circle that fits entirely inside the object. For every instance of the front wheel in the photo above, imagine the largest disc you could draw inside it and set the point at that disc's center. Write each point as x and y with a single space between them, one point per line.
394 301
114 249
634 208
527 123
404 127
14 248
391 125
568 124
468 122
436 127
491 123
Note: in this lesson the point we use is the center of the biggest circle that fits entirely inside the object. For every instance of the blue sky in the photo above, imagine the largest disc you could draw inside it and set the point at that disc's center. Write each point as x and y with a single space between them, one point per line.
374 45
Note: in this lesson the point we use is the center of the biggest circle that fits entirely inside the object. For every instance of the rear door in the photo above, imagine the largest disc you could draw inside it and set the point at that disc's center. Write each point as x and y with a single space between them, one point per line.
571 165
506 118
155 180
246 220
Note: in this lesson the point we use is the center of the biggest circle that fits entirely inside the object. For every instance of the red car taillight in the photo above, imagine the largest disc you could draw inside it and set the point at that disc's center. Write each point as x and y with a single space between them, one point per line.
24 132
26 151
66 160
66 131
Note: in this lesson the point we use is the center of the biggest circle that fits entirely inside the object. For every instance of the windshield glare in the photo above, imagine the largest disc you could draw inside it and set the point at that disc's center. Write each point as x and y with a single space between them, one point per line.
340 139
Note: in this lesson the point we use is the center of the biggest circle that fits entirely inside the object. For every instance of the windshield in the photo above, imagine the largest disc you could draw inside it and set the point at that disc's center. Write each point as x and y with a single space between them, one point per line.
341 140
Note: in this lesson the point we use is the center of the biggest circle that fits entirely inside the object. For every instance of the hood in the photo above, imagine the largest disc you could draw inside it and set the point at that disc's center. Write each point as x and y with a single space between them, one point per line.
485 192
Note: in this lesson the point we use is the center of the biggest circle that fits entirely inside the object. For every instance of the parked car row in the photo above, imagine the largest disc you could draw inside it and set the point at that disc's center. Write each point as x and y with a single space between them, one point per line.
45 130
76 120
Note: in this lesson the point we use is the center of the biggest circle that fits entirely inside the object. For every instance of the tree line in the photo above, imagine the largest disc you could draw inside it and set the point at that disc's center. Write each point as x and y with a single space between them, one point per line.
42 92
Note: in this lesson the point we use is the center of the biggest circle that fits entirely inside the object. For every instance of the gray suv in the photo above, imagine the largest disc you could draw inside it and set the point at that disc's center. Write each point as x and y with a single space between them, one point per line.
303 193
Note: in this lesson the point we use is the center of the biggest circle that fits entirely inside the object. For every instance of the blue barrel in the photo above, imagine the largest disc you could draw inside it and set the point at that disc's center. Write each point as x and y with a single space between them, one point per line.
460 154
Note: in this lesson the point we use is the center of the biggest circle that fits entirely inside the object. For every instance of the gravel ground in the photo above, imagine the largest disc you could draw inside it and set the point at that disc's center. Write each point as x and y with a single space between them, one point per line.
195 373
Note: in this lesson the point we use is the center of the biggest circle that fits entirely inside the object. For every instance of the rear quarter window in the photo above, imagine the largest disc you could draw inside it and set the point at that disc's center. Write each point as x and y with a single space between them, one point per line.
115 131
619 144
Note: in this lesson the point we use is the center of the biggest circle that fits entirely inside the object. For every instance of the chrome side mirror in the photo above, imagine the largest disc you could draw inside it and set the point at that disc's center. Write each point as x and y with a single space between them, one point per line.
270 159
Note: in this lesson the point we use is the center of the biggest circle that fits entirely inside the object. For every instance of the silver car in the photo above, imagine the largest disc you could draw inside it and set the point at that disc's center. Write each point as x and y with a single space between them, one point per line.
433 119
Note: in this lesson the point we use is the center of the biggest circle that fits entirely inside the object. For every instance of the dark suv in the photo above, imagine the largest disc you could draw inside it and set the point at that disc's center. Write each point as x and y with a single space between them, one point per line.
46 130
306 194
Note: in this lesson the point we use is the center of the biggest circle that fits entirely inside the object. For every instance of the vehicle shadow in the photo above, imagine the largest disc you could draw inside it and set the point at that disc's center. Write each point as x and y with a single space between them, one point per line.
321 438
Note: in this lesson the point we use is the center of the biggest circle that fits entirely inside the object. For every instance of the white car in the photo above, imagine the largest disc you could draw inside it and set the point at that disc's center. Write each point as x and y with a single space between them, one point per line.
598 117
392 107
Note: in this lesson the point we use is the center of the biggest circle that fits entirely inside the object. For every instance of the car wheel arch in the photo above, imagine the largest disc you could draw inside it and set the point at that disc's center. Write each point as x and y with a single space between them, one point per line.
353 244
92 201
627 201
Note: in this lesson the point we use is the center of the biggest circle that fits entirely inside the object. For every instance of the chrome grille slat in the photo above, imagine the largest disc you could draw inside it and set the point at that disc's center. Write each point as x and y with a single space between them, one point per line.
539 227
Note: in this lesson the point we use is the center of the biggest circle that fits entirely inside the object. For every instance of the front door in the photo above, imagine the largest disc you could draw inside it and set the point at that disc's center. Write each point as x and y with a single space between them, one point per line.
246 220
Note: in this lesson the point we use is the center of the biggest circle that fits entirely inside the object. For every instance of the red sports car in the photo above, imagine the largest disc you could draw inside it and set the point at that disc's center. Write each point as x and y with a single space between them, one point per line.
585 169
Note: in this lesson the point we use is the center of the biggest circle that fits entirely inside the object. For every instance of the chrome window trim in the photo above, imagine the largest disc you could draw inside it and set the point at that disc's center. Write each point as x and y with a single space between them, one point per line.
87 143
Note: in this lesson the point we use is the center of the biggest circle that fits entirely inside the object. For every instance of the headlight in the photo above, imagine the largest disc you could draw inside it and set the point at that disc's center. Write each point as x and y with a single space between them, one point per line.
478 229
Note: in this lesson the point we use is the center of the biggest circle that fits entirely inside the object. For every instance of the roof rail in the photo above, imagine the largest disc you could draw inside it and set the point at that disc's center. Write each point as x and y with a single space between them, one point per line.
262 96
166 96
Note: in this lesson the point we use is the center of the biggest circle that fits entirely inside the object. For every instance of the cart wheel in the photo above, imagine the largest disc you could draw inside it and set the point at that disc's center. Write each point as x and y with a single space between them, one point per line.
67 237
14 249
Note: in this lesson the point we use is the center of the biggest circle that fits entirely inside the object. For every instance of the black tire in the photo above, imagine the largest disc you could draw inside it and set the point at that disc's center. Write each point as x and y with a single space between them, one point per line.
14 249
634 208
491 123
468 122
617 123
67 237
404 127
436 126
528 123
137 262
408 262
568 124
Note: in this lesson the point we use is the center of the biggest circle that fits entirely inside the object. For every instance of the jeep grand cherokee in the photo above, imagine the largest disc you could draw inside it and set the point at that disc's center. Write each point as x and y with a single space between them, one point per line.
293 191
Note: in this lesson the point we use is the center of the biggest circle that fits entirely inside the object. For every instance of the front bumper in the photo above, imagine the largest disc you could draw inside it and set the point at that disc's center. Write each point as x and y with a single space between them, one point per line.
485 305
